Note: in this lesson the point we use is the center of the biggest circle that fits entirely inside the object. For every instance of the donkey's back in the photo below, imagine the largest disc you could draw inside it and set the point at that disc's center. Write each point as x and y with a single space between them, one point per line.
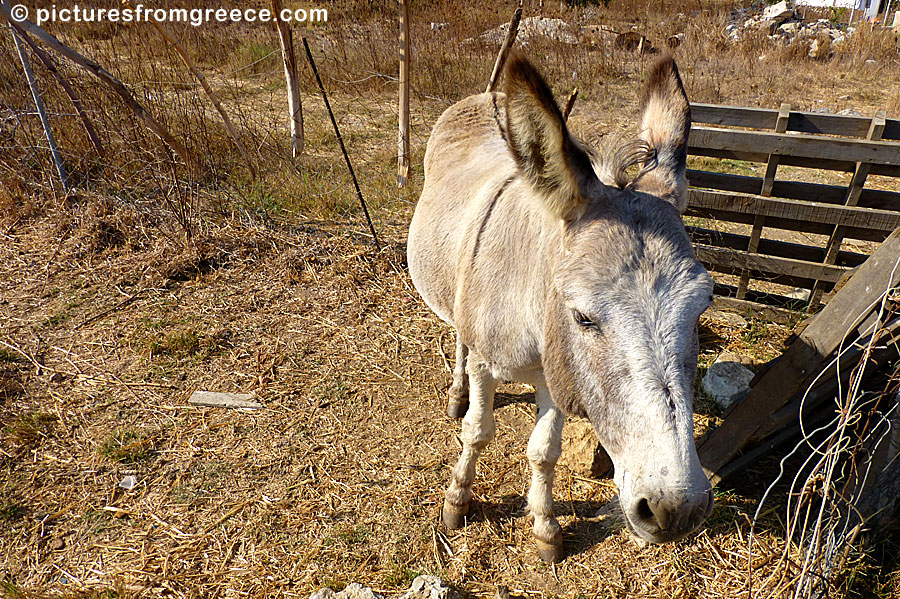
466 156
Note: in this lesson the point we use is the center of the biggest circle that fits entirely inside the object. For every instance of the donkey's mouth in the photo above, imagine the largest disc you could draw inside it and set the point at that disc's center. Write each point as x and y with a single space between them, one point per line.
667 523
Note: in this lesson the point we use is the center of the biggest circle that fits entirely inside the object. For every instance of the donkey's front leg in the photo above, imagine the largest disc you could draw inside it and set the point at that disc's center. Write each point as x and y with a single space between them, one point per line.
544 449
477 431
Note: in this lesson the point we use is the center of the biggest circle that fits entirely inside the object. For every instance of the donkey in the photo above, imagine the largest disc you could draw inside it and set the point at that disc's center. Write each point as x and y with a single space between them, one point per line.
558 271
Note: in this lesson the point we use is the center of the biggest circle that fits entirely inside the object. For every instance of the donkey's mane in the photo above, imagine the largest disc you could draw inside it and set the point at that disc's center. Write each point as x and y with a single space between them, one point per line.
617 156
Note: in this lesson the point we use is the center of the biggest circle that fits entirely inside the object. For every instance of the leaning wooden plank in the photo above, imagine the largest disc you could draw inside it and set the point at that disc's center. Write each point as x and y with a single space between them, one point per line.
851 216
794 190
737 260
215 399
102 74
771 247
803 357
803 122
796 145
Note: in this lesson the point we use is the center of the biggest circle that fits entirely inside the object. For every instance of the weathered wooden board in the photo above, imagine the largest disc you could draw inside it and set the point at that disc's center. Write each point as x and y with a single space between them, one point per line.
772 247
787 224
803 357
737 260
848 216
798 145
794 190
804 122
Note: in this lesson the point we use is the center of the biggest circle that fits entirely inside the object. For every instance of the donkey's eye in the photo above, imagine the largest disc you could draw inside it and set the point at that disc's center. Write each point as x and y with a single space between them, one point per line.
584 321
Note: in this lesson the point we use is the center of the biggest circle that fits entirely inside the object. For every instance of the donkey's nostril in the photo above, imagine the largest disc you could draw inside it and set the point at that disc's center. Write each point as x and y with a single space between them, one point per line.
644 512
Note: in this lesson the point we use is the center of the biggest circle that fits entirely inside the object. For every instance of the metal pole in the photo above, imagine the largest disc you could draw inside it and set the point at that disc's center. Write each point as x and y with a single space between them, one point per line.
340 139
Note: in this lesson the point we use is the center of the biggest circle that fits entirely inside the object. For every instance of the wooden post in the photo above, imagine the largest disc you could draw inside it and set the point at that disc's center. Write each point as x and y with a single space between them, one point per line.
289 57
403 108
784 113
337 133
102 74
45 122
876 129
505 48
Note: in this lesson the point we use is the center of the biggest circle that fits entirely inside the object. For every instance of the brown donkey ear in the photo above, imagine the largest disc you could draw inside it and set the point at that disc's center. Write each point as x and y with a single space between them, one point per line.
552 160
665 126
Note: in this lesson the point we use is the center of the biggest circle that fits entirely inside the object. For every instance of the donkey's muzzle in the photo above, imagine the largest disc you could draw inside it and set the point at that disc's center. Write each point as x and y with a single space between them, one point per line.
669 516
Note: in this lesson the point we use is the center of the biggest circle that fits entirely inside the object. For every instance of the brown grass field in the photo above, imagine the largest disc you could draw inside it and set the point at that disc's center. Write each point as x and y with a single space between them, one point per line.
152 280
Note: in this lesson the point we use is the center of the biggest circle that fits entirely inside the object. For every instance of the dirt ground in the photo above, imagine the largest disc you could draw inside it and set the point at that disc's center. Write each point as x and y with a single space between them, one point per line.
112 313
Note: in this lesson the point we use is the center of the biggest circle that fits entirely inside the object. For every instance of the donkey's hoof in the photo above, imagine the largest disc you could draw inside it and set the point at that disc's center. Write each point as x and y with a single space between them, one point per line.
457 408
551 552
454 516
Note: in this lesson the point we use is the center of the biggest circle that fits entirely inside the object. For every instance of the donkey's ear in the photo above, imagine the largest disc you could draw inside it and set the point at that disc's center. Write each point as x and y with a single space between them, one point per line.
665 126
553 161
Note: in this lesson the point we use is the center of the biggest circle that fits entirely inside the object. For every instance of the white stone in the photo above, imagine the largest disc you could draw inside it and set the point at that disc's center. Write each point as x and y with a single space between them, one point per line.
782 10
790 28
727 382
429 587
354 590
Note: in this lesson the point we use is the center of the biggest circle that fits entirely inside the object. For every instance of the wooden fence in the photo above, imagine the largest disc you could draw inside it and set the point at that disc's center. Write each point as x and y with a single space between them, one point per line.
754 257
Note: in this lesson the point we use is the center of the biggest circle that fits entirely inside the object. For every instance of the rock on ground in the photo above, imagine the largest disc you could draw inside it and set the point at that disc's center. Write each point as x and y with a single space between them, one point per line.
727 382
581 452
354 590
429 587
423 587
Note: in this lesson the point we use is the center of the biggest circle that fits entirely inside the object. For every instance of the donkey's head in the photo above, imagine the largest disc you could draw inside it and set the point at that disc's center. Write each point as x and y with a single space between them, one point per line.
620 336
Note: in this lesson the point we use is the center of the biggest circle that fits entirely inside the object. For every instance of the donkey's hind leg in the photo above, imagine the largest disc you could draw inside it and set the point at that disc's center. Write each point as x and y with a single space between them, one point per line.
458 401
544 449
478 429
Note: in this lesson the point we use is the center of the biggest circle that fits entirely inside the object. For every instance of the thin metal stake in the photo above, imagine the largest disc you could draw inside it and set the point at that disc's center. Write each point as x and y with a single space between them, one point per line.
340 139
45 122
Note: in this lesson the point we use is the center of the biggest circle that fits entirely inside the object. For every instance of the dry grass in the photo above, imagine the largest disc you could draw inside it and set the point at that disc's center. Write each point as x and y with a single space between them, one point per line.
153 280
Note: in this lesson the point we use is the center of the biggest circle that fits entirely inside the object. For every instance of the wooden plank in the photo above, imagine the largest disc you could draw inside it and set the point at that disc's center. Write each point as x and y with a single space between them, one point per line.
766 190
796 145
794 190
757 310
804 122
802 358
215 399
851 216
772 247
860 233
801 161
853 194
761 298
735 260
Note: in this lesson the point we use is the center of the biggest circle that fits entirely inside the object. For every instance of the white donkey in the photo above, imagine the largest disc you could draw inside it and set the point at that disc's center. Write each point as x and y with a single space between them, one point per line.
558 272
